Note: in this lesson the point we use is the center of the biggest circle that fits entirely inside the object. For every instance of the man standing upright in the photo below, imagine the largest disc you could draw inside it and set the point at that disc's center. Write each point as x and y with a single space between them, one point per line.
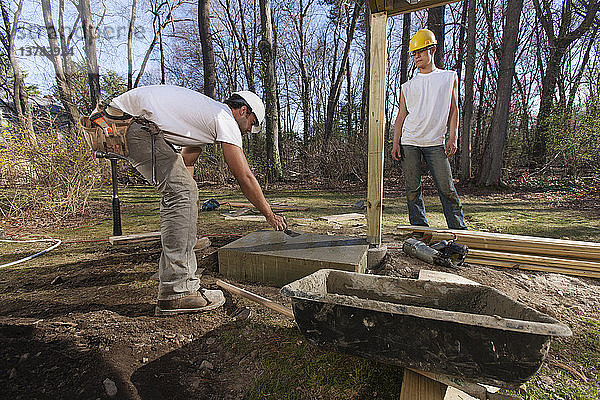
428 109
166 115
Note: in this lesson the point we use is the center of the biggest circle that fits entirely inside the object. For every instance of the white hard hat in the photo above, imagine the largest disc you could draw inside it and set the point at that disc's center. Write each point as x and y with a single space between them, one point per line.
257 106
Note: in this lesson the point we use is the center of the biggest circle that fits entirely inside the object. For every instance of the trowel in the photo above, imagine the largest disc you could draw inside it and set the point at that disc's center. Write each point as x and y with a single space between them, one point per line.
291 233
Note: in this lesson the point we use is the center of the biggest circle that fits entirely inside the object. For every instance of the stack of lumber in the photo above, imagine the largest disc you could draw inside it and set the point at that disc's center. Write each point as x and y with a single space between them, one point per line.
569 257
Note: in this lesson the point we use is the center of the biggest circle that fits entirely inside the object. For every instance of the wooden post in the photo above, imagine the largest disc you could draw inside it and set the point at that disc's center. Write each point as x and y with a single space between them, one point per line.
378 60
418 387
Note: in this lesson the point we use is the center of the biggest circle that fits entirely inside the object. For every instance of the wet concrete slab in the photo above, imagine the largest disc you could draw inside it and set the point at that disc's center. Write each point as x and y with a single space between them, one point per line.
278 259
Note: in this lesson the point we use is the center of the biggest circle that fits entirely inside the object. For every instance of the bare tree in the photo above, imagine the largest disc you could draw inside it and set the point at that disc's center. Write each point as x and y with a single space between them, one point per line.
559 43
405 44
58 55
336 85
246 45
21 99
208 54
91 59
129 46
267 51
162 16
304 75
467 114
491 170
436 23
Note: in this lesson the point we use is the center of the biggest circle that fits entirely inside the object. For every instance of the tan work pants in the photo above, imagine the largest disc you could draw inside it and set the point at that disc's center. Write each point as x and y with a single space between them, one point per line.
178 211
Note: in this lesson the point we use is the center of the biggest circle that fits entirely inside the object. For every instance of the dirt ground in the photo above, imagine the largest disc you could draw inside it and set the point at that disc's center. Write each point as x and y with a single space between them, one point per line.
83 334
84 328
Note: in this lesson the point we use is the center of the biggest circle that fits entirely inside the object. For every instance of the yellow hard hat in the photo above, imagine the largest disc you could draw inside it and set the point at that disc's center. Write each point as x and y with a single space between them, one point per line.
422 39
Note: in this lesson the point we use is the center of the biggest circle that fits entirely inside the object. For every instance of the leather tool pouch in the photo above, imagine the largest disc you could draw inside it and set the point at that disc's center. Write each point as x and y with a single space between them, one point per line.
106 128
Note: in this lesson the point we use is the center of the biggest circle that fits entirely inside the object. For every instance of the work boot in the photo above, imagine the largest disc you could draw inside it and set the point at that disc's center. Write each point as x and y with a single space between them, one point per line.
202 300
193 302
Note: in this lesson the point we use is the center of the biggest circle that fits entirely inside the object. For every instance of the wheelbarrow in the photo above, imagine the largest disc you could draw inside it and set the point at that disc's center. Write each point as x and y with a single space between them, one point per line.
472 333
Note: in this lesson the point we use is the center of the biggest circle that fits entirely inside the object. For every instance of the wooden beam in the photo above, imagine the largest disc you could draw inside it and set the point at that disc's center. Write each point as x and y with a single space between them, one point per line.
419 387
202 243
378 60
274 207
515 258
532 267
397 7
135 238
560 248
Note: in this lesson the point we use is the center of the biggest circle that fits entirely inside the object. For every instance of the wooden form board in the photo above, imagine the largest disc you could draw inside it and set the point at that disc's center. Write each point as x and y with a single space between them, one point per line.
378 60
396 7
275 258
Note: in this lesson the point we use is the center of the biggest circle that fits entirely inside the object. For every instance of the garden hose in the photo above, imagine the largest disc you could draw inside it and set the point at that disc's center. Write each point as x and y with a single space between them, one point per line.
55 245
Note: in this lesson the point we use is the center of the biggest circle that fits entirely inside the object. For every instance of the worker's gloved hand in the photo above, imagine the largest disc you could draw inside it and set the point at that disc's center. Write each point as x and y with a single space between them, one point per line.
277 222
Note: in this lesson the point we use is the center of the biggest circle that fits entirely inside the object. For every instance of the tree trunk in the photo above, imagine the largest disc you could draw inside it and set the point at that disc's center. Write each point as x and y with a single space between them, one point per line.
436 23
478 139
467 114
21 98
404 51
559 43
267 52
334 92
62 79
208 54
91 60
491 171
349 105
584 65
129 46
306 81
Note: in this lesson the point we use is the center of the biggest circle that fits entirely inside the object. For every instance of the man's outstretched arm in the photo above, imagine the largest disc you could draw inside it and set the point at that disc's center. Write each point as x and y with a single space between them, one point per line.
236 160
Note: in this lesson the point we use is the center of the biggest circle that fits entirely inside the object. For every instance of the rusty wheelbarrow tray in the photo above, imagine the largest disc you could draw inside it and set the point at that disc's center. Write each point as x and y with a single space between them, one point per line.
473 332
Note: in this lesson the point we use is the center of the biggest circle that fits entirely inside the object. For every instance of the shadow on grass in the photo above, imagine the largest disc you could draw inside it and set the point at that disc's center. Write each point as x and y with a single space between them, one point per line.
255 361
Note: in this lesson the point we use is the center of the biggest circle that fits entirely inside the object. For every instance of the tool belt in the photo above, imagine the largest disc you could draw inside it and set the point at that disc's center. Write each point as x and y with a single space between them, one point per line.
106 129
105 132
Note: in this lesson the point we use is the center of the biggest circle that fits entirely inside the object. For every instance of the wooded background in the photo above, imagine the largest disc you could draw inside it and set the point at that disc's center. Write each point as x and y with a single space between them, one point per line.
528 72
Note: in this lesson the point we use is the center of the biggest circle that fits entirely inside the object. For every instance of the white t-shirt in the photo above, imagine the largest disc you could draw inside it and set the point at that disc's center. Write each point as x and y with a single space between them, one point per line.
188 118
428 98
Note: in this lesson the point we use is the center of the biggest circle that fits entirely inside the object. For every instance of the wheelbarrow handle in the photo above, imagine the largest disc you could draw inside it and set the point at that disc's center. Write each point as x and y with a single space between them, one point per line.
256 298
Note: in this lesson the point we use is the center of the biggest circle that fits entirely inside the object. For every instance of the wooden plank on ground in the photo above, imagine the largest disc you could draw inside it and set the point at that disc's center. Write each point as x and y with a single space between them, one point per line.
274 207
202 243
439 276
342 217
248 218
134 238
558 248
532 267
534 260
